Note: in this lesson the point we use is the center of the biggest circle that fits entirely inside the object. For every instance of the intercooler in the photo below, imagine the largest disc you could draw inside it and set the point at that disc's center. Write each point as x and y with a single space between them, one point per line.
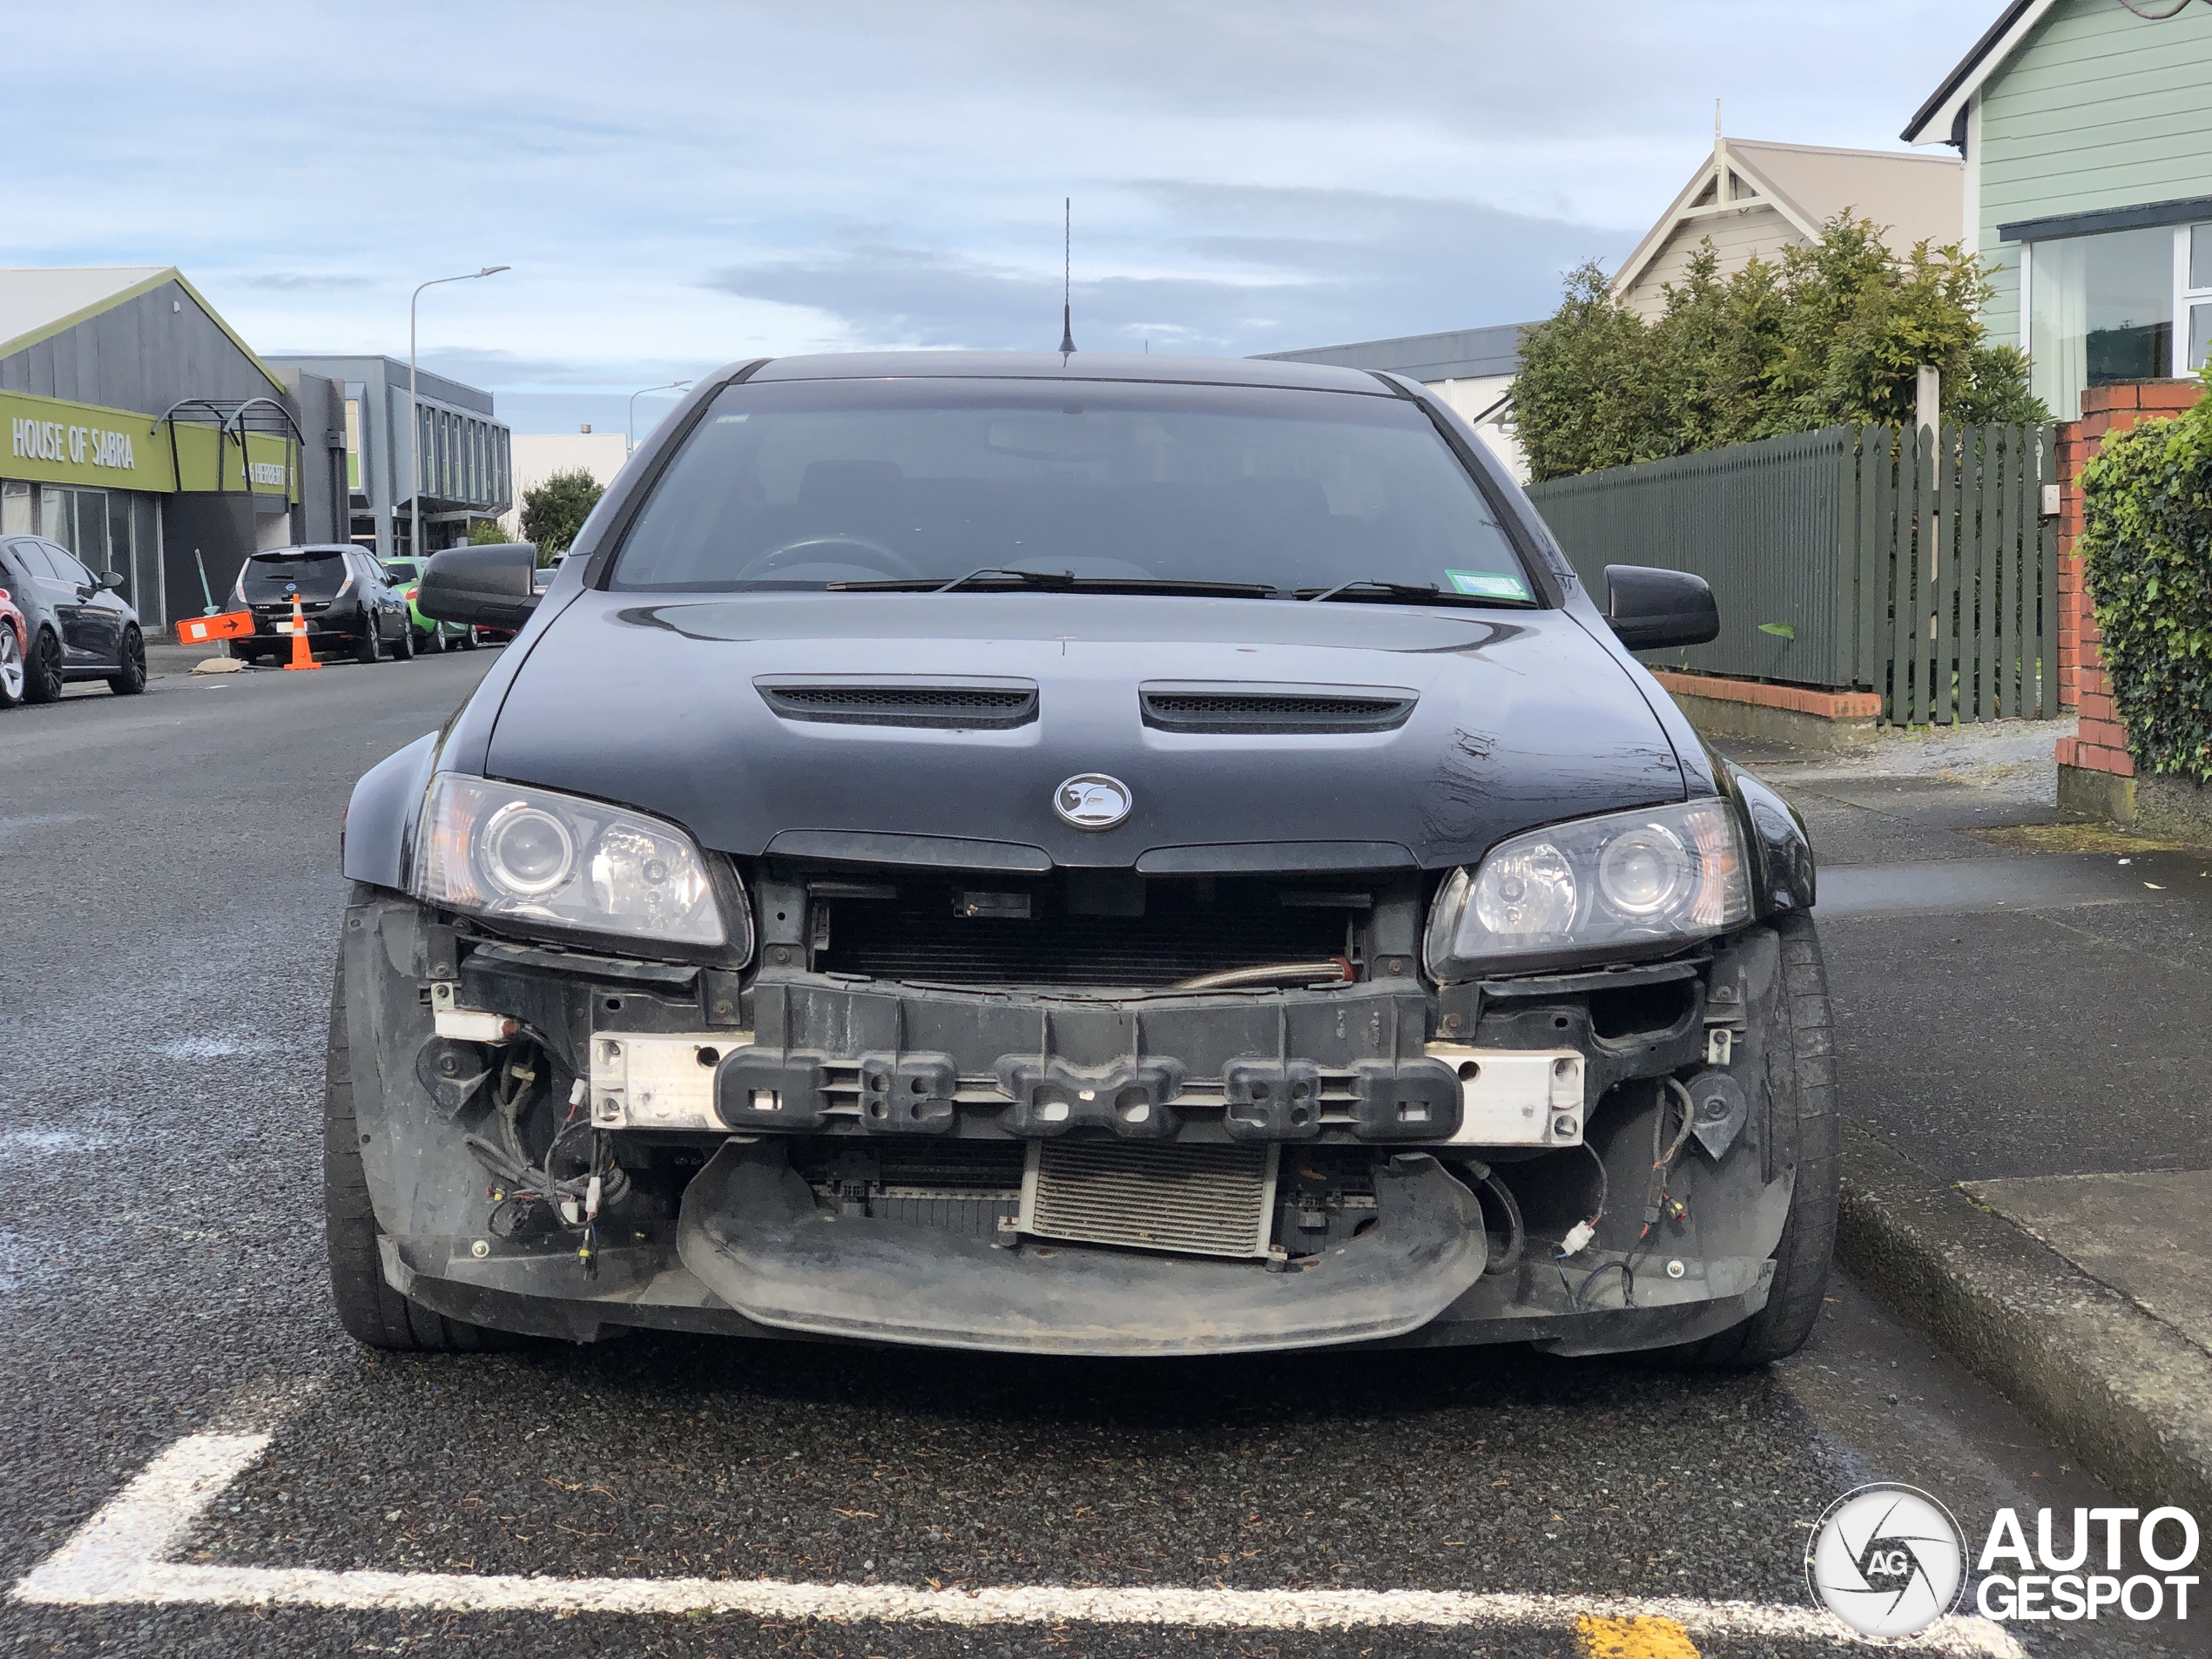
1198 1200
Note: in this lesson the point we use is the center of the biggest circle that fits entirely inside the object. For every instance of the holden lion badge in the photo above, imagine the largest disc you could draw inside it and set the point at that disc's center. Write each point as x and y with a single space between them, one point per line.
1091 801
1888 1561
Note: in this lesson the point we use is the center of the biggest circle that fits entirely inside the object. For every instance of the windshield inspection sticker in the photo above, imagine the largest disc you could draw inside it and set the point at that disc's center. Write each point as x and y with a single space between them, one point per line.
1488 584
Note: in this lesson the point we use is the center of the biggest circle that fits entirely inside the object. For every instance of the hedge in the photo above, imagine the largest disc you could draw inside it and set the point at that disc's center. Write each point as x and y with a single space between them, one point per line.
2147 541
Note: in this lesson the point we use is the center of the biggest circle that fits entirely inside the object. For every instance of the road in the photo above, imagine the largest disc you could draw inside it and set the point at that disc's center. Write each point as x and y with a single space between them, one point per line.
172 889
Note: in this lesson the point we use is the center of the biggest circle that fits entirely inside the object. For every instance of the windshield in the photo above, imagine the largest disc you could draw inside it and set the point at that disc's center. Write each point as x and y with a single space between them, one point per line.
808 484
317 574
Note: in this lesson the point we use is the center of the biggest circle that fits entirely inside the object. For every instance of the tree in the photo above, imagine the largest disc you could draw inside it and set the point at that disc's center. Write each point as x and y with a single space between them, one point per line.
1830 334
555 510
487 532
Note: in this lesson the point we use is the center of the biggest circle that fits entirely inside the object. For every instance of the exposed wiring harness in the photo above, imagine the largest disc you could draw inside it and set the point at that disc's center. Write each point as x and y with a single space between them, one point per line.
1581 1234
574 1201
1658 1204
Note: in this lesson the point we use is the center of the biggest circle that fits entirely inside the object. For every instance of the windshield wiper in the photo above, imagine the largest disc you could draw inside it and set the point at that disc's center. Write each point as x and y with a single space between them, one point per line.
1062 582
1368 590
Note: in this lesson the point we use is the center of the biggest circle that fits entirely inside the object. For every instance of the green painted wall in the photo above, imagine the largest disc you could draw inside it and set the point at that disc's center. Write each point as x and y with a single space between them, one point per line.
2098 108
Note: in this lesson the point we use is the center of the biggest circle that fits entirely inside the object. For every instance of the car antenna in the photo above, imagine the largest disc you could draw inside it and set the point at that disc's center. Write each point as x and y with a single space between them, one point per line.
1067 267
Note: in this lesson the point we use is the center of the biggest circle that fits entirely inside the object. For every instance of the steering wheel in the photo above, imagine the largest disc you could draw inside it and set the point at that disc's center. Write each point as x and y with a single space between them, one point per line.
851 550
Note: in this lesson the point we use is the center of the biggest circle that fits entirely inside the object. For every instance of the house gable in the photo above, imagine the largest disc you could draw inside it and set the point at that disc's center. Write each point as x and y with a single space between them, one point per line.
1754 198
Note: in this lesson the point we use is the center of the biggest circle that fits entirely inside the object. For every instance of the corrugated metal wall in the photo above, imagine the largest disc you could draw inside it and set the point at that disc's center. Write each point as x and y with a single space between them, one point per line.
141 354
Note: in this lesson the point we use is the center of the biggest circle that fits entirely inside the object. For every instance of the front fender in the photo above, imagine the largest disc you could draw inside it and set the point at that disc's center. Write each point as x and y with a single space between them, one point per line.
1783 875
378 835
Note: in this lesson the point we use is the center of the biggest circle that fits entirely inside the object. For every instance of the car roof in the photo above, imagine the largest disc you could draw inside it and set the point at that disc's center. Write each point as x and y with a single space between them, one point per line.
1077 366
306 547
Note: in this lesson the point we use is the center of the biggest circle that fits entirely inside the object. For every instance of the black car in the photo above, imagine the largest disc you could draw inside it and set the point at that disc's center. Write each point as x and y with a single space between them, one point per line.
347 600
1092 855
78 625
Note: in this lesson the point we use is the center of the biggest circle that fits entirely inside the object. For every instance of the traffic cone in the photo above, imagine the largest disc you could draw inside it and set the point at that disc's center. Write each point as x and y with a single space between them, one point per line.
302 657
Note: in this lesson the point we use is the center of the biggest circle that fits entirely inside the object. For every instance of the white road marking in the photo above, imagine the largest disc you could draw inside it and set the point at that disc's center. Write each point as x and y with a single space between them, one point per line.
119 1556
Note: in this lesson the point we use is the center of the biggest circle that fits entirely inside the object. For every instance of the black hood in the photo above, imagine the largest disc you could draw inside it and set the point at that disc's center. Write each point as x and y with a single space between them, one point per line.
1521 718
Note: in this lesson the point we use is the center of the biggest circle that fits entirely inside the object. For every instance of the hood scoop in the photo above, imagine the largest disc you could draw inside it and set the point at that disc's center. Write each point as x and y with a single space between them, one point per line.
1247 707
895 699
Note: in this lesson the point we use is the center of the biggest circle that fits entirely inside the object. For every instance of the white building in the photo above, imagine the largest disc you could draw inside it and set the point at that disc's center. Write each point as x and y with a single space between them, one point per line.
538 456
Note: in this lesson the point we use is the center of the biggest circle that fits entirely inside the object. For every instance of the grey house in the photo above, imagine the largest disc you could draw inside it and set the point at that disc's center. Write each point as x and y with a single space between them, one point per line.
459 458
2087 132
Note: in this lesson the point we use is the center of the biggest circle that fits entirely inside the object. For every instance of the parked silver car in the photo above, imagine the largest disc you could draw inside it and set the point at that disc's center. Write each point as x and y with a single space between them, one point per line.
80 628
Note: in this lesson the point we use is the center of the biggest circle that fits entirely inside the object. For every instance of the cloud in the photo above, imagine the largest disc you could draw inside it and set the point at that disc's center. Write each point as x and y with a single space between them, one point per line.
1261 269
691 182
303 282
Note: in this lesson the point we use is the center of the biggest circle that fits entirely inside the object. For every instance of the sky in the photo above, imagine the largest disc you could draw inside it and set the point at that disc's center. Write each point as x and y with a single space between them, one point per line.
680 185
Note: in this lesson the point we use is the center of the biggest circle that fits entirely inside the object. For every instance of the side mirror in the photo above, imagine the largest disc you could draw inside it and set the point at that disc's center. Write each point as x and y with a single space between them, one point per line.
109 582
1653 610
489 586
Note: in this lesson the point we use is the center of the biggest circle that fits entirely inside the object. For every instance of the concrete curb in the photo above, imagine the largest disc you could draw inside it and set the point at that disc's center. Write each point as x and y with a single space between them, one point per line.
2123 1390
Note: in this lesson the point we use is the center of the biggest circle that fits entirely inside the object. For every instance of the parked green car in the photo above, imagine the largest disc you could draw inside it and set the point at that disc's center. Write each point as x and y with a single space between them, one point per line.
407 575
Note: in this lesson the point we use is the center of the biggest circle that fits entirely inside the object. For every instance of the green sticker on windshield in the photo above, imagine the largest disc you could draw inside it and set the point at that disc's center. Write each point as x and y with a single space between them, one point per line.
1488 584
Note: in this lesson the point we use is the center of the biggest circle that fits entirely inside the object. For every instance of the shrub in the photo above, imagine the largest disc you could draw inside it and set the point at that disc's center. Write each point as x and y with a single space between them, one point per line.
2147 541
1830 334
555 510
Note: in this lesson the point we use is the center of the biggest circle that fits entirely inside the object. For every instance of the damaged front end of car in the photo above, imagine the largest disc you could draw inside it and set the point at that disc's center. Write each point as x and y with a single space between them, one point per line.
1080 1111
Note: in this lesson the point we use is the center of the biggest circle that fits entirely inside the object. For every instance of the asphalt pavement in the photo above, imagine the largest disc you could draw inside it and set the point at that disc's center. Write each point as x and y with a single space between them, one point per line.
172 895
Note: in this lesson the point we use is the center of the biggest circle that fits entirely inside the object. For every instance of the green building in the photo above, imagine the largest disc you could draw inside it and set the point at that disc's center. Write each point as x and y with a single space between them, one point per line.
2087 131
139 431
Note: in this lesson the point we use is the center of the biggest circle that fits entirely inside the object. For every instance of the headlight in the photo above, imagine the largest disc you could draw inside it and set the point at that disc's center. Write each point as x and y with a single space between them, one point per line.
1666 875
500 850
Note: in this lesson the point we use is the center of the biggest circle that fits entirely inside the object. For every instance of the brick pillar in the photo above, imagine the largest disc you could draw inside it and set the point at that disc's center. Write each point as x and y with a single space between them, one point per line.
2084 686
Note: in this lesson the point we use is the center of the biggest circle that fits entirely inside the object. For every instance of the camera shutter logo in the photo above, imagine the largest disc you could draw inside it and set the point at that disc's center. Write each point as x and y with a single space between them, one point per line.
1091 801
1888 1561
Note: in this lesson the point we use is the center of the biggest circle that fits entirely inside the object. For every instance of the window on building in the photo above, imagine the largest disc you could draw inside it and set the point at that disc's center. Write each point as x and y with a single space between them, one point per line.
17 510
146 561
2124 306
2196 298
2100 309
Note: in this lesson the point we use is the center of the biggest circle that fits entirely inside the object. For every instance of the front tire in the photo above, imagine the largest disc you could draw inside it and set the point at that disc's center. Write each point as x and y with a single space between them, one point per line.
372 1311
130 679
1802 1080
12 671
42 673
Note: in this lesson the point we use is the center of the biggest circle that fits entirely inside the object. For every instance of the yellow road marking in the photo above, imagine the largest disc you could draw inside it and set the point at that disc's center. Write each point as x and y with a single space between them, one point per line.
1645 1638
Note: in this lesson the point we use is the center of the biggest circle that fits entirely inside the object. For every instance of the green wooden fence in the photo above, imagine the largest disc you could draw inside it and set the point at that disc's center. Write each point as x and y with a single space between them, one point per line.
1916 566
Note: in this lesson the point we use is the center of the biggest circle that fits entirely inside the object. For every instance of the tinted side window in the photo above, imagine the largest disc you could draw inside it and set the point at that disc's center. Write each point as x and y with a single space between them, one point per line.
33 559
67 567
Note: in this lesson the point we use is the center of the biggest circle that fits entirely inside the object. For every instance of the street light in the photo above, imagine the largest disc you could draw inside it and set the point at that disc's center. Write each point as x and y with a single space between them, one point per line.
629 445
415 408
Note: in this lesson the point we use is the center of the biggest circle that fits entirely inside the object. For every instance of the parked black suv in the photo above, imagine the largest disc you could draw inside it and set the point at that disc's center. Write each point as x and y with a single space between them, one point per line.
347 600
1091 855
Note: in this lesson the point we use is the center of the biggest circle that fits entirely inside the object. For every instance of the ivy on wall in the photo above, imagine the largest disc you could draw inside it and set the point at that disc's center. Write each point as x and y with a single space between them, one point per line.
2147 541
